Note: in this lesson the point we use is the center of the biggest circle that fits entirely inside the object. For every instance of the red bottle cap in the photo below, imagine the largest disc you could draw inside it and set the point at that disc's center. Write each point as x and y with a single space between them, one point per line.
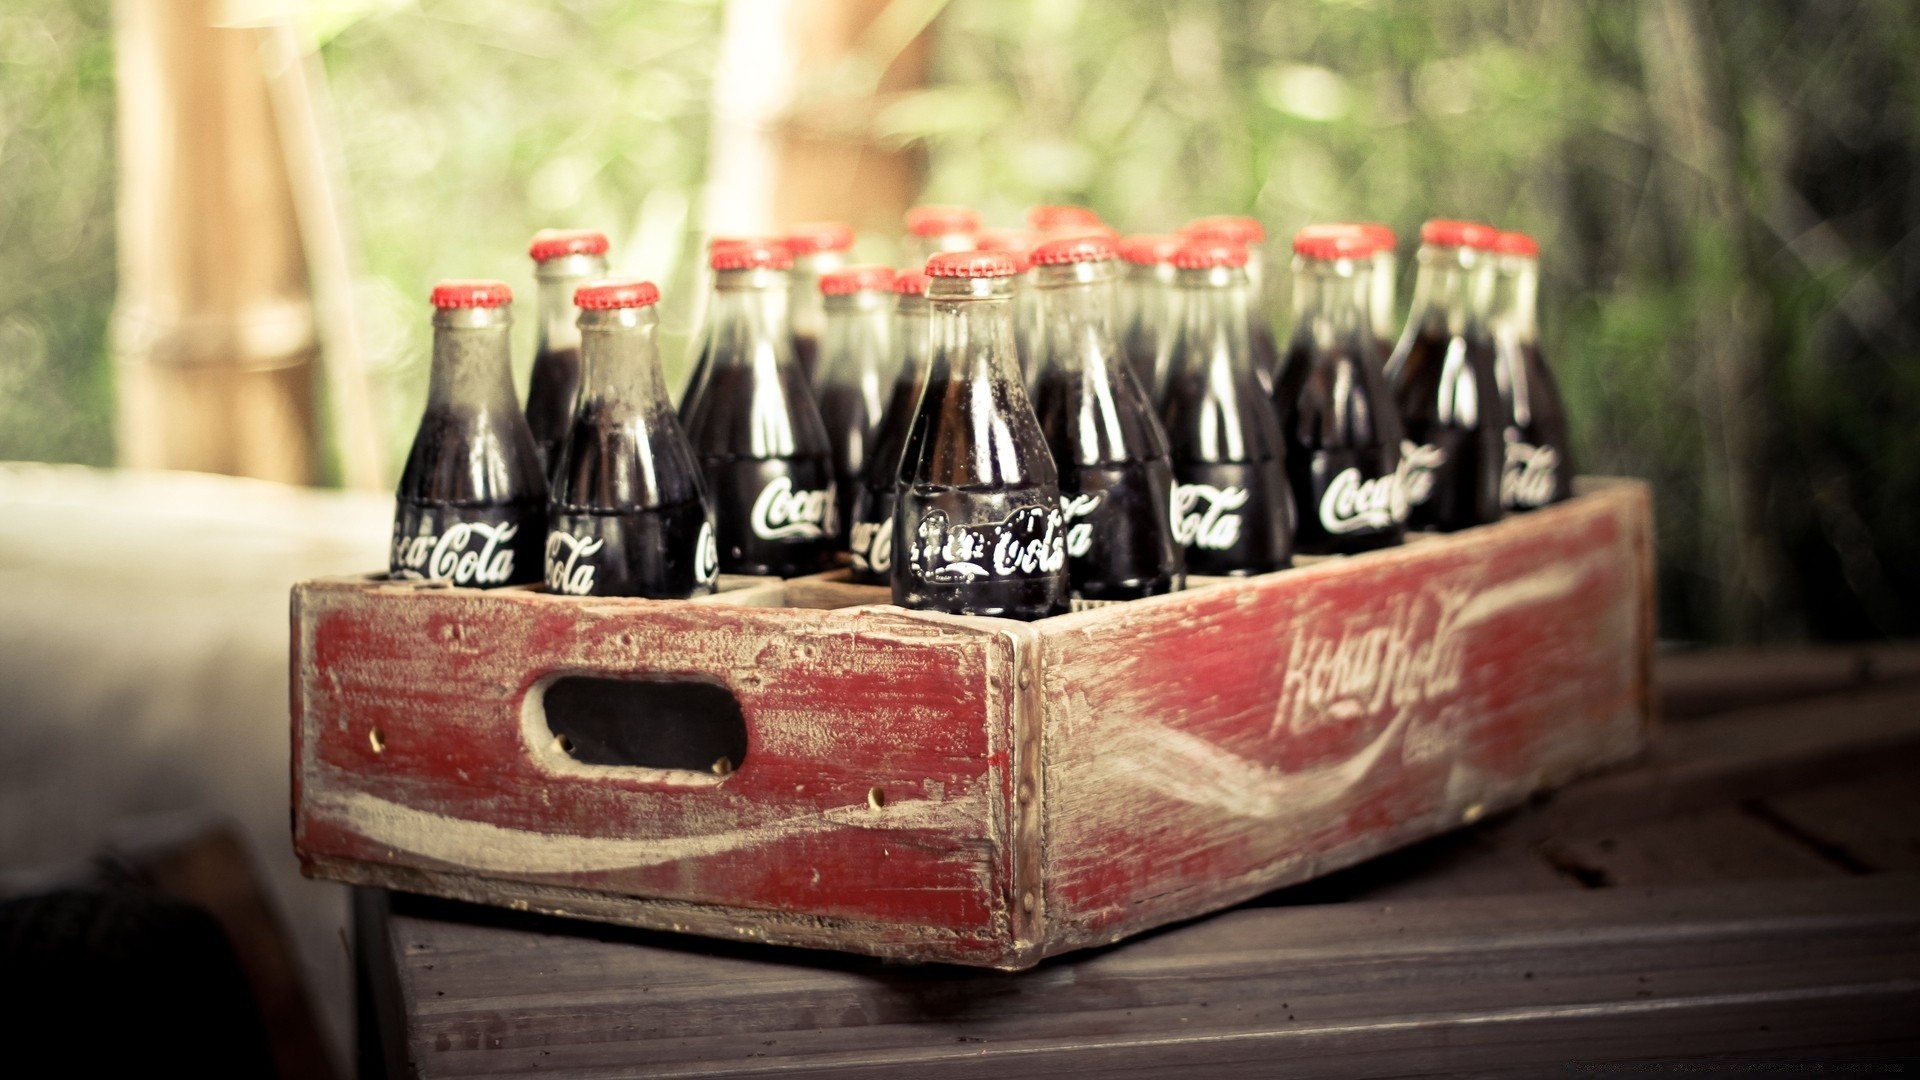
608 294
1150 249
1209 254
470 293
757 253
553 243
972 264
1237 230
1053 219
1382 236
1339 241
1015 242
1073 249
1516 243
813 237
942 220
1469 234
910 283
853 279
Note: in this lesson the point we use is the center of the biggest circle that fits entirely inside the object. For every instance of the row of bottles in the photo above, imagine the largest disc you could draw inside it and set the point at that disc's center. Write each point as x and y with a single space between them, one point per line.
1022 426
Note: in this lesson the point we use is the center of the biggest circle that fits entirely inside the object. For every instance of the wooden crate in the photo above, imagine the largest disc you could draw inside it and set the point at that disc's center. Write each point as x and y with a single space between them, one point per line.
970 790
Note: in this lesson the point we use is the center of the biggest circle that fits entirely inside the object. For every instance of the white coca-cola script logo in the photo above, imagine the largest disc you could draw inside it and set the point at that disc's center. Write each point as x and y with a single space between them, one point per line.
706 555
453 555
1030 541
1418 463
1414 656
1351 504
565 572
781 513
1079 532
1205 516
1528 480
872 545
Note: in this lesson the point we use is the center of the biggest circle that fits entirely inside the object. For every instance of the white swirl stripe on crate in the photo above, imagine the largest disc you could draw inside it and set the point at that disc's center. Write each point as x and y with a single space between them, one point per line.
1199 772
479 845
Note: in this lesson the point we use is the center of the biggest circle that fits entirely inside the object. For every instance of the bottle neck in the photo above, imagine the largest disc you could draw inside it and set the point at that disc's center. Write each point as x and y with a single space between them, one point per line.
1076 318
558 279
804 304
471 360
1212 327
747 320
857 338
1453 289
1332 299
913 330
1381 301
1517 297
620 352
972 335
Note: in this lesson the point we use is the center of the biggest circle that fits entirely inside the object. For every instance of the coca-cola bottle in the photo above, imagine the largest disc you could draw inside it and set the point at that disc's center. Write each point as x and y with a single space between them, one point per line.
1383 285
1538 463
871 534
1250 234
818 249
755 427
702 339
977 527
932 229
1336 410
472 502
1147 305
856 369
562 258
1116 485
628 514
1444 385
1232 508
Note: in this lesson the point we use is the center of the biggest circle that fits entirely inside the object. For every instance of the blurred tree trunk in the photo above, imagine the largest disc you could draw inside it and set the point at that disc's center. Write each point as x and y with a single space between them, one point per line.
1698 172
214 334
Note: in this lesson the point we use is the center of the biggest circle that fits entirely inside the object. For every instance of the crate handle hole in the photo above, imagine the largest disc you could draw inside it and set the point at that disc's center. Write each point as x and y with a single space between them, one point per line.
684 724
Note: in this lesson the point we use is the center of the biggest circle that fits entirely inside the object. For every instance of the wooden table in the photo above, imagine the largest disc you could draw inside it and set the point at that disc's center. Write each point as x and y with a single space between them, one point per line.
1749 891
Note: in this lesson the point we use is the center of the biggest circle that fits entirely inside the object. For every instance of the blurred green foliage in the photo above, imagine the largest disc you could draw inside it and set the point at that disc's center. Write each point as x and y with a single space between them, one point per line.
1725 193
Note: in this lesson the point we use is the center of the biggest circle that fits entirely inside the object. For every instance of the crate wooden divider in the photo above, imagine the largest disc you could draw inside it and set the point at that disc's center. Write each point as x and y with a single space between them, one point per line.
971 790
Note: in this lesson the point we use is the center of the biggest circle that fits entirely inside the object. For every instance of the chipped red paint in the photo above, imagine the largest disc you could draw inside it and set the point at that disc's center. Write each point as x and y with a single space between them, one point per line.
1044 786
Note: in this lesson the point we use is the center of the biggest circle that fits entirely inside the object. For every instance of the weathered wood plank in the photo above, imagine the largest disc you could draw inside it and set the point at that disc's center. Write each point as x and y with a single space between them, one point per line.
1871 825
1704 682
1726 844
1341 990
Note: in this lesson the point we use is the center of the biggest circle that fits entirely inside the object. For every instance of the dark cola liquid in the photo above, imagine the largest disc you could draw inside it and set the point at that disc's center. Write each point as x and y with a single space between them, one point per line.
552 393
1231 516
1140 343
850 425
806 353
1343 450
771 515
661 552
471 504
1537 466
1117 512
974 551
1450 412
870 526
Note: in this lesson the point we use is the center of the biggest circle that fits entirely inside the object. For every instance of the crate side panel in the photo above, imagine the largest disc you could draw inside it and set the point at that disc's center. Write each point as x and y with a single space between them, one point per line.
871 790
1200 749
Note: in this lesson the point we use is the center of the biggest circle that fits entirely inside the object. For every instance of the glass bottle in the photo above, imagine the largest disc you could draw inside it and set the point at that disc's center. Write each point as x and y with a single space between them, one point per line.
1382 287
563 259
755 427
628 515
1538 461
1147 305
977 527
1336 411
871 534
1116 485
856 368
471 506
1444 386
818 249
1018 243
1232 508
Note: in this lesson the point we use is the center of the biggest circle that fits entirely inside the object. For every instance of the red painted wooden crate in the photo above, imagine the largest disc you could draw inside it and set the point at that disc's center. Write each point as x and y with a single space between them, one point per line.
973 790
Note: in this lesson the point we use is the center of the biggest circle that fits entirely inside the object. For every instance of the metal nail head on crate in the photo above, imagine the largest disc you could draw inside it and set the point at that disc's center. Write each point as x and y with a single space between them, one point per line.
969 790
